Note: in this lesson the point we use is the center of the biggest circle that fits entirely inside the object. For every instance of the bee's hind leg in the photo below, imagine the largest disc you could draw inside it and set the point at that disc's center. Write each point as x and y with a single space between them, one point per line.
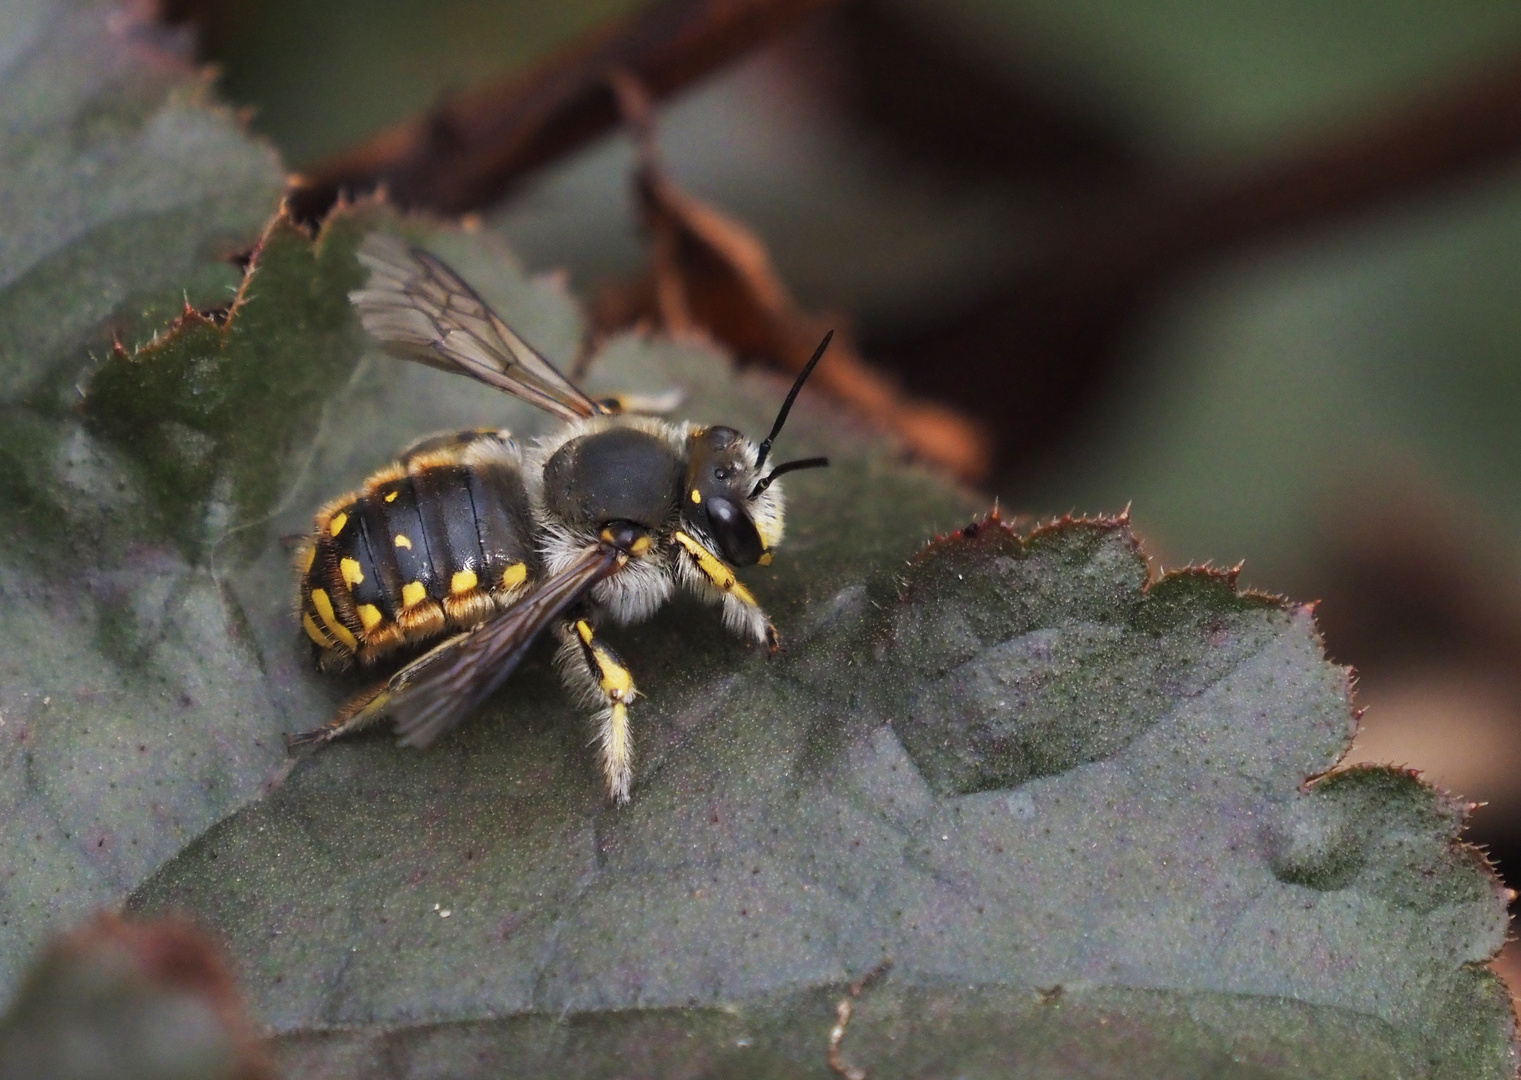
599 678
359 712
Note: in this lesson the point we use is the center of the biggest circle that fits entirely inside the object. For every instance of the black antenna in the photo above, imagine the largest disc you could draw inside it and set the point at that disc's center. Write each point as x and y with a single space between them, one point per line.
787 467
781 417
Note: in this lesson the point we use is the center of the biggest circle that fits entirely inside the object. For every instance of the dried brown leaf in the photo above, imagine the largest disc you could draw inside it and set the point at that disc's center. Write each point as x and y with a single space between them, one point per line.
712 276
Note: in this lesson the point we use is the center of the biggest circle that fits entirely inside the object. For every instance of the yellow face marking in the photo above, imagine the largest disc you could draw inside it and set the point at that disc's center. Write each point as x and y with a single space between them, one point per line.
391 496
315 632
514 575
413 592
403 540
324 608
349 568
462 581
311 557
370 616
696 496
335 526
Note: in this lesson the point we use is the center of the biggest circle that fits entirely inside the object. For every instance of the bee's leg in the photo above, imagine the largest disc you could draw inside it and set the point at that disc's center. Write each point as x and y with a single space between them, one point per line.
358 713
641 404
705 574
597 676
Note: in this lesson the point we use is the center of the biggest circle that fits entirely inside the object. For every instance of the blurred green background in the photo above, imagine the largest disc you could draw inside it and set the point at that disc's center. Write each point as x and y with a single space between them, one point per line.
1337 408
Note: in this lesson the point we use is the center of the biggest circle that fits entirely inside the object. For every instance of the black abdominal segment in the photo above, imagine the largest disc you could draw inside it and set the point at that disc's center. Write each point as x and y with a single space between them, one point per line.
424 547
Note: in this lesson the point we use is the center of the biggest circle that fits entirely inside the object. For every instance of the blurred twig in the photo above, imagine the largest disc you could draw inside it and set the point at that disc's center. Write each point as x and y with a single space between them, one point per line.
465 153
1030 354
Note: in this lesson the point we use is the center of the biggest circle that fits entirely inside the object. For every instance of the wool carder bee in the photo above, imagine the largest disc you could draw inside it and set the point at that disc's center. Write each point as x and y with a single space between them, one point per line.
475 544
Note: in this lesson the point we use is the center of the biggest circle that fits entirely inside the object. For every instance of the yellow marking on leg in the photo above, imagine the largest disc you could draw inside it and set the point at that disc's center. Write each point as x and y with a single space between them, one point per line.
370 616
514 575
349 568
324 608
613 679
617 750
765 559
616 681
413 592
403 540
614 737
716 571
335 526
462 581
391 496
315 632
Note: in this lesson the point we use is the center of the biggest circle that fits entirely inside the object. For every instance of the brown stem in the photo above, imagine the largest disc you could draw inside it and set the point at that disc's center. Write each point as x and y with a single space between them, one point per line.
465 154
1029 356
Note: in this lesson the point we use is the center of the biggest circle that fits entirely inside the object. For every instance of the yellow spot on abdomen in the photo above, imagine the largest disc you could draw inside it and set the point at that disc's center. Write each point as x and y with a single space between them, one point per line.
324 608
335 526
514 575
370 616
462 581
403 540
391 496
413 592
349 568
315 632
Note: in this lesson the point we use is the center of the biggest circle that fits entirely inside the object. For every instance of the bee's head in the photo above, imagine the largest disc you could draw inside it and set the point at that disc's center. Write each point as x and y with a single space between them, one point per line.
728 495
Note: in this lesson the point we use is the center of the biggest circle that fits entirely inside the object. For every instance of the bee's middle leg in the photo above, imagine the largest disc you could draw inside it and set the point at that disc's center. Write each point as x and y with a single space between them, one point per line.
597 675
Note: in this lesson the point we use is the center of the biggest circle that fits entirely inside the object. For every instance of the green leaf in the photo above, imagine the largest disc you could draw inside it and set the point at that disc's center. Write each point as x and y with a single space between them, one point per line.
1069 806
133 716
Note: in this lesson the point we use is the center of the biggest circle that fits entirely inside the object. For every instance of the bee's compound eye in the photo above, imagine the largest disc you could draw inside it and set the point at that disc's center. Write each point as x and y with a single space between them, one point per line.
736 534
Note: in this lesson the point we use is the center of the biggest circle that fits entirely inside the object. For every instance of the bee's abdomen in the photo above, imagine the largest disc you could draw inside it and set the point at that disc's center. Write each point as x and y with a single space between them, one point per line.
434 543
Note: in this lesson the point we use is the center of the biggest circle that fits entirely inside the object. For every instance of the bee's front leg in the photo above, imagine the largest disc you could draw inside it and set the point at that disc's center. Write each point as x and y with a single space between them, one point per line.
598 677
704 573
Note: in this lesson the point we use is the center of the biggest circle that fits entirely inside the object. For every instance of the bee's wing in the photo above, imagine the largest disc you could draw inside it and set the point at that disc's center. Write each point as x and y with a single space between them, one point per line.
443 686
421 310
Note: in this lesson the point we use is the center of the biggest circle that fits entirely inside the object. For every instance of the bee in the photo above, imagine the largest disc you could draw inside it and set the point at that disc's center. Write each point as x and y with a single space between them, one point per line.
475 544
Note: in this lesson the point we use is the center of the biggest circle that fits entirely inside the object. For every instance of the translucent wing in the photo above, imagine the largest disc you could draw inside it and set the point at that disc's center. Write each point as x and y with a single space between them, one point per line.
421 310
440 688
